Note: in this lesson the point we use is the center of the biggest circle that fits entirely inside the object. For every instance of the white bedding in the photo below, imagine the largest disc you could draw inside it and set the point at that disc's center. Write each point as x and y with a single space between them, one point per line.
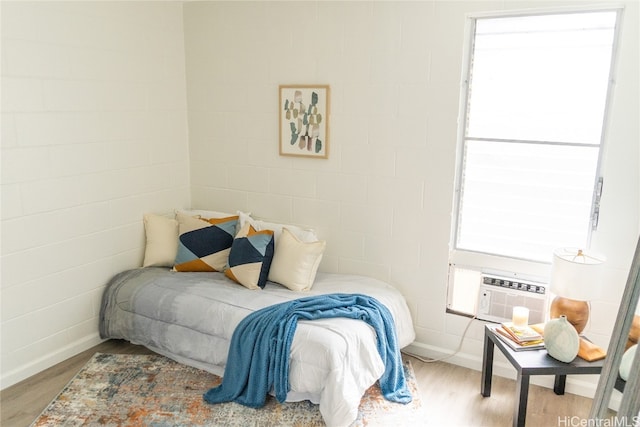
190 317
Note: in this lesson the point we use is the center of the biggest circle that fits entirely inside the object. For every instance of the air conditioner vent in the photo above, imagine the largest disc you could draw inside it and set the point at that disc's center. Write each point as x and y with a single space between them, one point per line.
498 295
513 284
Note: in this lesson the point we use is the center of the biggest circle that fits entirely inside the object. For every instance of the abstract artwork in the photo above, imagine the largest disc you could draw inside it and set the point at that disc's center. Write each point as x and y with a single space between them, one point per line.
304 120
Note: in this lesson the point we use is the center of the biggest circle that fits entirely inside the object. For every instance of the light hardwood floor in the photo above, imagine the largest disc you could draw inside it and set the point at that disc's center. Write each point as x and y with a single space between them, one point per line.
450 394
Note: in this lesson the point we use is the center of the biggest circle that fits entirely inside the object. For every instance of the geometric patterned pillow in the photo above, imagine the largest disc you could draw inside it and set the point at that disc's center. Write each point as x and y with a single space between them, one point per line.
204 244
250 257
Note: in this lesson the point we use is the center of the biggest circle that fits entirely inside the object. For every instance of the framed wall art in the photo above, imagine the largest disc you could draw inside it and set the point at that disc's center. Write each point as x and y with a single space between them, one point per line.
304 120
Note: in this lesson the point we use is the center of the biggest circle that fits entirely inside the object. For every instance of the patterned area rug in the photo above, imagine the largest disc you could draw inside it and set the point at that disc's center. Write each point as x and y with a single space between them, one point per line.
150 390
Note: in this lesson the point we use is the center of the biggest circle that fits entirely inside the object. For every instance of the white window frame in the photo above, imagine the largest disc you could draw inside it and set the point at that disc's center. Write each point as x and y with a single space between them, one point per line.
518 269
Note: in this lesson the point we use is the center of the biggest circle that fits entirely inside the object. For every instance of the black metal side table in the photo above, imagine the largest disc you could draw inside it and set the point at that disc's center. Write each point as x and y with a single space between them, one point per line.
527 363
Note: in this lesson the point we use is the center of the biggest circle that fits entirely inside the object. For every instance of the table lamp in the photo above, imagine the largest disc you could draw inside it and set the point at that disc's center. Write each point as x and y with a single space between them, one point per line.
576 279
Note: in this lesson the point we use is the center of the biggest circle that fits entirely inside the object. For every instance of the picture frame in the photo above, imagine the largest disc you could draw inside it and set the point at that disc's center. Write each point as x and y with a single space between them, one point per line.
304 120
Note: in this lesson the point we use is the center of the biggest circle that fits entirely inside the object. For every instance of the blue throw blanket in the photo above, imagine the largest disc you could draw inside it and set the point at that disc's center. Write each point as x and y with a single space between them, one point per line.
258 358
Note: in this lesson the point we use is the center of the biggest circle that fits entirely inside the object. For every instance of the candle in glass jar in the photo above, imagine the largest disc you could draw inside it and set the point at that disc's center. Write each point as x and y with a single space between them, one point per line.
520 316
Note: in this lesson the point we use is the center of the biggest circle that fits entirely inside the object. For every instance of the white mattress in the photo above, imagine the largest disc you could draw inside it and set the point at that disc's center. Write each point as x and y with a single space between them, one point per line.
190 317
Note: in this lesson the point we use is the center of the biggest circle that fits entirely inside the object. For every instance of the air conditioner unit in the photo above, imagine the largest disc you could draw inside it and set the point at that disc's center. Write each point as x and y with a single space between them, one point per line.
498 295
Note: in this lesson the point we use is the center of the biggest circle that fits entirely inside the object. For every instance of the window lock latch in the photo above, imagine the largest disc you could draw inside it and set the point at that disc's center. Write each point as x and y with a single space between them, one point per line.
595 215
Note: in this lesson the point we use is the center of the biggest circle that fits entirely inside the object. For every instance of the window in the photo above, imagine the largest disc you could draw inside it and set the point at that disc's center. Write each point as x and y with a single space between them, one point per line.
532 124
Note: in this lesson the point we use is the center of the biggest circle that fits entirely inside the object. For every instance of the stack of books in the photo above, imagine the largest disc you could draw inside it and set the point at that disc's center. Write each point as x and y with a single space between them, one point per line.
519 338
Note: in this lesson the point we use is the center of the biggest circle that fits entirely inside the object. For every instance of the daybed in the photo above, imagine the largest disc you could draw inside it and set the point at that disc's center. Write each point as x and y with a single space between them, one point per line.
190 316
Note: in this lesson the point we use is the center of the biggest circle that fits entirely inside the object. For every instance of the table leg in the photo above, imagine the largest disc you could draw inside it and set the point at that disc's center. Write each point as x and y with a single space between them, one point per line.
522 391
487 365
559 383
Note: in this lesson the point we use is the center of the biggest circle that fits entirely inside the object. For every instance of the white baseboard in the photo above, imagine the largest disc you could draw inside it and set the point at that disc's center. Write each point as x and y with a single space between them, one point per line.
48 360
503 369
432 352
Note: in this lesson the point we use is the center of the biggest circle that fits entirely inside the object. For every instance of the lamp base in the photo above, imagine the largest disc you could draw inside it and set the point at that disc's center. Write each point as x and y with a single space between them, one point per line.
577 312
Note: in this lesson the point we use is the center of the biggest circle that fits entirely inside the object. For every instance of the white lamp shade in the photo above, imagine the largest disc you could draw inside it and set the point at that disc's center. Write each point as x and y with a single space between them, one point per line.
576 274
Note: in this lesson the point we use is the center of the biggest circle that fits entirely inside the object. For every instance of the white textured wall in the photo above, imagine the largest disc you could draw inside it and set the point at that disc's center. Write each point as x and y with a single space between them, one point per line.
94 133
383 198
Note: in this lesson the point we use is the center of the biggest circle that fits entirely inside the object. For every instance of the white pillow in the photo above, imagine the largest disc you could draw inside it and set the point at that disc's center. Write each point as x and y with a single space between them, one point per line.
245 218
188 221
204 214
162 241
303 234
200 213
295 263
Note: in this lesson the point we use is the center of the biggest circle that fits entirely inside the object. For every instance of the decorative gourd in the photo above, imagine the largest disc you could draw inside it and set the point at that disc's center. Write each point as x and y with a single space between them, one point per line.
561 339
627 360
